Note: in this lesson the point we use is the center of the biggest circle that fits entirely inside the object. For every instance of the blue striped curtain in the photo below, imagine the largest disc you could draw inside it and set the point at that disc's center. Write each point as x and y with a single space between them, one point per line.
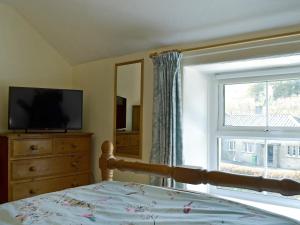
167 114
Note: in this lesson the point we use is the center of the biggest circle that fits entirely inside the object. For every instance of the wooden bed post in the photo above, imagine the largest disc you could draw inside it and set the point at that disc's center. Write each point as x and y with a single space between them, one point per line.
107 153
194 176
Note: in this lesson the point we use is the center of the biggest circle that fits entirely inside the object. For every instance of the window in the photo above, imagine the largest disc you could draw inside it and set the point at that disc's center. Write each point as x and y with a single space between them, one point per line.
240 161
260 117
289 153
293 151
245 104
231 146
248 147
245 147
270 155
262 104
246 122
297 151
243 120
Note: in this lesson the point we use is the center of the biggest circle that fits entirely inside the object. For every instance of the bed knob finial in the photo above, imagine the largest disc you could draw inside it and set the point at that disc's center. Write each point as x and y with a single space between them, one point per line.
107 149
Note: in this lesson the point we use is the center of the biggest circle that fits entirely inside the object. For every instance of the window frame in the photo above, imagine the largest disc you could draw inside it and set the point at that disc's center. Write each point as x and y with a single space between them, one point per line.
231 146
261 197
261 132
289 151
265 129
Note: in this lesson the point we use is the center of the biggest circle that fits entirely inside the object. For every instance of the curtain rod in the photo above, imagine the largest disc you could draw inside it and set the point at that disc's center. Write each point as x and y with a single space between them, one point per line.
225 44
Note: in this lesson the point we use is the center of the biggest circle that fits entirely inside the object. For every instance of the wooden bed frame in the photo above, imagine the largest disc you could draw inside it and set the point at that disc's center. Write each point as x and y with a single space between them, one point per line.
108 163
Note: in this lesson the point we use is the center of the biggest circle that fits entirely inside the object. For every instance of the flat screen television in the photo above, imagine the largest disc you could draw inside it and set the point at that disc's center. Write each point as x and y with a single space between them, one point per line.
121 113
44 109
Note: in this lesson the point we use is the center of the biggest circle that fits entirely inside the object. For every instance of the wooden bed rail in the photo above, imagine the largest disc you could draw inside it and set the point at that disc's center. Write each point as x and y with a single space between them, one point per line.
108 163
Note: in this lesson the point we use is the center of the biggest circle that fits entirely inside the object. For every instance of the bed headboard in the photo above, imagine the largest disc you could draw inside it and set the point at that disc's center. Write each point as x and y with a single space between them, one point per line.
108 163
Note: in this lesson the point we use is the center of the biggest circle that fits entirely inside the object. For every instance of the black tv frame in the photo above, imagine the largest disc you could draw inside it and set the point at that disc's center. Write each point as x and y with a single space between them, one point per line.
34 130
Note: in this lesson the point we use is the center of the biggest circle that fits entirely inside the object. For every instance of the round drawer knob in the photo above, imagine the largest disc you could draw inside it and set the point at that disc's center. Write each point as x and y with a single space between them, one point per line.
32 169
74 184
74 164
73 146
32 192
34 147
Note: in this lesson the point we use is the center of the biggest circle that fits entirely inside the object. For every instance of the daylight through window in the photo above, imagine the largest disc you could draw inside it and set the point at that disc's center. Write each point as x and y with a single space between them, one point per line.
268 107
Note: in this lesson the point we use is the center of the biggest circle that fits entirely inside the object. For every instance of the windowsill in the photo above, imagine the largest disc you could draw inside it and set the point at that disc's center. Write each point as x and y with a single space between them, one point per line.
290 212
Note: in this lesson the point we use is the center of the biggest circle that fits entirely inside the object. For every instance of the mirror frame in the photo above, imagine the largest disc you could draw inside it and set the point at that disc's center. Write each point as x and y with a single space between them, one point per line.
139 156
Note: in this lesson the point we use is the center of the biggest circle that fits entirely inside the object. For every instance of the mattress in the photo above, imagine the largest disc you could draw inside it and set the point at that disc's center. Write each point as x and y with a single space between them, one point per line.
119 203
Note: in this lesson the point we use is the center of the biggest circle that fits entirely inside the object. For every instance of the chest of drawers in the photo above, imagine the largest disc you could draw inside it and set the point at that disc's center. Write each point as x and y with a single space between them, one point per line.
128 144
32 164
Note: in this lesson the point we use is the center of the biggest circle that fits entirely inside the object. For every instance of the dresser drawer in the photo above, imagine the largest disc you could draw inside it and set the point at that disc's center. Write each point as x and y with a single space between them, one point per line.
31 147
24 190
122 140
71 145
128 143
134 139
128 150
31 168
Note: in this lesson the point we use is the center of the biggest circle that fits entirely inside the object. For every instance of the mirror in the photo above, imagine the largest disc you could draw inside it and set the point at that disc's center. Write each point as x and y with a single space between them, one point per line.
128 108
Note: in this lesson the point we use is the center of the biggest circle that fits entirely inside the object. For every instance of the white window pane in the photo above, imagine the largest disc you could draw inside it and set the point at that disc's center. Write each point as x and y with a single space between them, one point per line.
245 104
284 103
247 158
283 160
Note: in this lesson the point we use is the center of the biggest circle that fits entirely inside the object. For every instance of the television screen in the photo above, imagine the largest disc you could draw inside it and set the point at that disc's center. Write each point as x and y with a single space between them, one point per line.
42 109
121 113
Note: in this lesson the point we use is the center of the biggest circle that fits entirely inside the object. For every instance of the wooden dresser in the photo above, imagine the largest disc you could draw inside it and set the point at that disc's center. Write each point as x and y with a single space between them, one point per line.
32 164
128 144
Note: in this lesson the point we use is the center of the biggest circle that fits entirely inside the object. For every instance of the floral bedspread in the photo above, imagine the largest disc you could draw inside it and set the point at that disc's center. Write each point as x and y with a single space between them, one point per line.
120 203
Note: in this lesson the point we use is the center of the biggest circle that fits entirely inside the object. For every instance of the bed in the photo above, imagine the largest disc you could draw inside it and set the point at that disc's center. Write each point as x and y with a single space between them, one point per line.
121 203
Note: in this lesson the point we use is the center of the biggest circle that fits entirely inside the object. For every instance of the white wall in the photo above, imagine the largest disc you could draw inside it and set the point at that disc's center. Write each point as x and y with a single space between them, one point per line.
195 117
97 81
197 113
129 87
26 59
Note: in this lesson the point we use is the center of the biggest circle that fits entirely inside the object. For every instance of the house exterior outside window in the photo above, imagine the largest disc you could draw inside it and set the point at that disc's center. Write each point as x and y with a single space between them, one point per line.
289 152
232 145
262 118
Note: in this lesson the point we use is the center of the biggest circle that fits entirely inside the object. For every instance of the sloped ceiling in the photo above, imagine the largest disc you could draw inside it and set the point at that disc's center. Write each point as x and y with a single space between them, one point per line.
86 30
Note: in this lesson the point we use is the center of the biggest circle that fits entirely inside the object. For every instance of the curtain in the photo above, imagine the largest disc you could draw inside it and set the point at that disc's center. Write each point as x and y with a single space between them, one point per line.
167 114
